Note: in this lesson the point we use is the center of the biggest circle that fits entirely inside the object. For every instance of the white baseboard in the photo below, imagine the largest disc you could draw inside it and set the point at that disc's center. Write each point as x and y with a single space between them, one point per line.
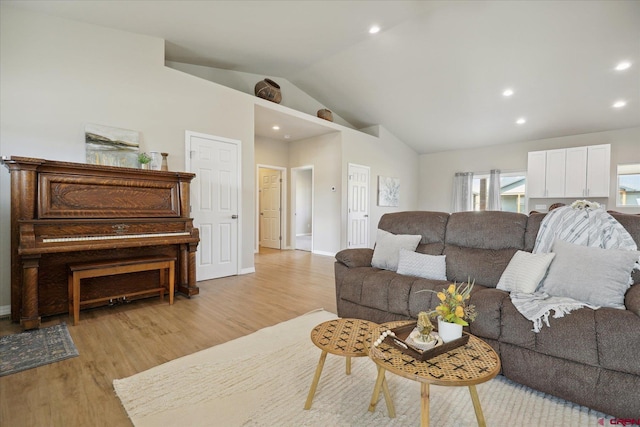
332 254
5 310
246 271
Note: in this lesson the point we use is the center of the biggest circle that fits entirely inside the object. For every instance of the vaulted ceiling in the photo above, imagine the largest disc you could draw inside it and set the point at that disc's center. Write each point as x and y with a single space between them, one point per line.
435 73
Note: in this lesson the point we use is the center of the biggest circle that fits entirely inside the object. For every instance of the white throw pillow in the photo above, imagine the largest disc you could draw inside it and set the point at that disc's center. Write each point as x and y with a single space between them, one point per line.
422 265
591 275
388 245
525 272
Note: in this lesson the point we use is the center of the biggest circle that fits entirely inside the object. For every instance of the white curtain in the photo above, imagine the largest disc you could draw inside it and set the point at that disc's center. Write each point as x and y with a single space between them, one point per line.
494 204
462 192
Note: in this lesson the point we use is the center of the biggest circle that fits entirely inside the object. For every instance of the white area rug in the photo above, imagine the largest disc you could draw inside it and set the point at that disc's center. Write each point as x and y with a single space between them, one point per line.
263 379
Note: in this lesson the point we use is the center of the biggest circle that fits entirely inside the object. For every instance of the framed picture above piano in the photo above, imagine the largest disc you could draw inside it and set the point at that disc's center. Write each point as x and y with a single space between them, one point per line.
110 146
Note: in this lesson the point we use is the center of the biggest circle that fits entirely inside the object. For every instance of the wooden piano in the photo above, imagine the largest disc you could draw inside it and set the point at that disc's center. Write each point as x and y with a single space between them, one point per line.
63 213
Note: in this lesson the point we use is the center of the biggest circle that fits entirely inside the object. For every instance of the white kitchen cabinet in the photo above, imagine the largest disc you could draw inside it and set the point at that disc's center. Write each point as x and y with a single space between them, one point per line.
576 172
598 170
555 173
536 173
569 172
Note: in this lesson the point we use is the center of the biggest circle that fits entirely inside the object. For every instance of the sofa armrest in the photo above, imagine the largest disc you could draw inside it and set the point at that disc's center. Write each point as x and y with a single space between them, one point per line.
632 299
352 258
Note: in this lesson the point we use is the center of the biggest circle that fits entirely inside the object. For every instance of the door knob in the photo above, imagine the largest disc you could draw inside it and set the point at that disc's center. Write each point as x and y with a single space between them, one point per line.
234 216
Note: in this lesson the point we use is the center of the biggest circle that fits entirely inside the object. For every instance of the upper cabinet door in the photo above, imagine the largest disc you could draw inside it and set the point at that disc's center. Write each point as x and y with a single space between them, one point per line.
536 170
598 170
576 172
555 177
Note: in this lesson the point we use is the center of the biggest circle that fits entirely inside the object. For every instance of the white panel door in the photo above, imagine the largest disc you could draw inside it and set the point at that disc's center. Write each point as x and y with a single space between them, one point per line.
270 210
358 200
214 201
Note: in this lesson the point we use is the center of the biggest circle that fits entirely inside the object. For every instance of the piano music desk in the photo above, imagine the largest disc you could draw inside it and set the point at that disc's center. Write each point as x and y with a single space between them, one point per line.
85 270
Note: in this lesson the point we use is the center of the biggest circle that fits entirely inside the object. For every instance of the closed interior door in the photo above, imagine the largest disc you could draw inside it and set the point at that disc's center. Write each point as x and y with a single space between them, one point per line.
358 200
214 201
270 208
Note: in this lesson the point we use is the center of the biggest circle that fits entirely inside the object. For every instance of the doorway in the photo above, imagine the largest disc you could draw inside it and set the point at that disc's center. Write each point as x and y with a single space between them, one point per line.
270 206
302 195
215 202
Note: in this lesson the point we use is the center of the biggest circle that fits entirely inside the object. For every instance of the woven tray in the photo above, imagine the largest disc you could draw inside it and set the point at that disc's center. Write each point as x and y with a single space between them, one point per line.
402 333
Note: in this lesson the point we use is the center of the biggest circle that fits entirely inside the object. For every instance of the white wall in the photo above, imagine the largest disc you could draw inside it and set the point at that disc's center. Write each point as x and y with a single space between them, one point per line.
437 170
292 96
387 156
57 75
271 152
323 153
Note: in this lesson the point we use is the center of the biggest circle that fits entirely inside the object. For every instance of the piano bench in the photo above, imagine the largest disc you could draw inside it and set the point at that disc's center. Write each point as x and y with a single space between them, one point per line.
85 270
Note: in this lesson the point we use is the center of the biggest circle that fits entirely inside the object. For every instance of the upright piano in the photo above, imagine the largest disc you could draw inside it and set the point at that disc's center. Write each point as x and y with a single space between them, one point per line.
64 213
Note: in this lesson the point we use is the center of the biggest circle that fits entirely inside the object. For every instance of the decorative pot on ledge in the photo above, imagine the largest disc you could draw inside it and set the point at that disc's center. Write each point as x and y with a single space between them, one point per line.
269 90
325 114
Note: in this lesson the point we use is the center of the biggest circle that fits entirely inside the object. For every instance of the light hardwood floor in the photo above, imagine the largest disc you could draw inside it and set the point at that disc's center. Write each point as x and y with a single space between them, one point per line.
117 342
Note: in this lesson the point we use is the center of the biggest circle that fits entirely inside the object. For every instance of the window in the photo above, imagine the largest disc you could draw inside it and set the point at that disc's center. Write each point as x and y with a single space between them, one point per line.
512 190
628 193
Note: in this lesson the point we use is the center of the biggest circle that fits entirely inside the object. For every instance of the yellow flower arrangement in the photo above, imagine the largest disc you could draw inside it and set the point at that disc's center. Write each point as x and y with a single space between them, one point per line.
453 306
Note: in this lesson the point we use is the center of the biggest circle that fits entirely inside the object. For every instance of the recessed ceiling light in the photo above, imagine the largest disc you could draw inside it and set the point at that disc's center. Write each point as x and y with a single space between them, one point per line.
521 121
623 65
287 136
507 92
276 127
374 29
619 104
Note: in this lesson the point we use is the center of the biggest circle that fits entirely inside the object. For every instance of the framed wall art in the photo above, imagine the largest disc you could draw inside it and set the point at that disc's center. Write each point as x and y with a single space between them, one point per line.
388 191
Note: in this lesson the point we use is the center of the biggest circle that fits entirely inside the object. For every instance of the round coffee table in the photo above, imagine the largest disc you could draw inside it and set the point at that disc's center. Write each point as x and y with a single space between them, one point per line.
347 338
468 365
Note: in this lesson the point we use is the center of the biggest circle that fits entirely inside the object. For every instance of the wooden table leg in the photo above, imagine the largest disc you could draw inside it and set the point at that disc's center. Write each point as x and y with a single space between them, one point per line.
376 389
387 398
316 378
476 406
348 365
424 404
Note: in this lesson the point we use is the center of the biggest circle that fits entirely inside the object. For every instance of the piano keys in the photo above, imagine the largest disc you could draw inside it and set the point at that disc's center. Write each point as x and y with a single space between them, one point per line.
64 213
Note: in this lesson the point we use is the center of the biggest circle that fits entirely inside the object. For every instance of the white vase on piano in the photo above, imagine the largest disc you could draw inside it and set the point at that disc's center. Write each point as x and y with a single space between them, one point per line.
156 160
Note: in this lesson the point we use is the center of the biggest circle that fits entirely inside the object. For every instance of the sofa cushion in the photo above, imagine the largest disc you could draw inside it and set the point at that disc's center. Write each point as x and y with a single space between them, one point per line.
484 266
479 245
431 225
356 257
387 249
380 289
572 337
423 295
486 230
422 265
592 275
488 303
618 344
531 232
525 272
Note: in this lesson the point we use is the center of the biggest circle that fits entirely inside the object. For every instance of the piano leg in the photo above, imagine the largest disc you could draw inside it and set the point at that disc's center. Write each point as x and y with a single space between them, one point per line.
29 318
188 285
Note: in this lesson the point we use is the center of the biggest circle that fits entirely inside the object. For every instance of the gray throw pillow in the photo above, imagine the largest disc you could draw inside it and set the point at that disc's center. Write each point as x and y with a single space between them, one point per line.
525 272
422 265
591 275
387 250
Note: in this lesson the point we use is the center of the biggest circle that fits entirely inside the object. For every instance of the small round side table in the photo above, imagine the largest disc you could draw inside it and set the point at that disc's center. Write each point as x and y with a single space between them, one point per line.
343 337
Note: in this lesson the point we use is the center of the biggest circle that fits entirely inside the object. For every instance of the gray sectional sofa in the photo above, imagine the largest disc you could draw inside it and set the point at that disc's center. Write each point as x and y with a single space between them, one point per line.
590 357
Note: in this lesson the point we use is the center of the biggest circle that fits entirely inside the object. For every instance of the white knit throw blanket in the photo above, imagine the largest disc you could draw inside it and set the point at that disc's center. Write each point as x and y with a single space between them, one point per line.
580 226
